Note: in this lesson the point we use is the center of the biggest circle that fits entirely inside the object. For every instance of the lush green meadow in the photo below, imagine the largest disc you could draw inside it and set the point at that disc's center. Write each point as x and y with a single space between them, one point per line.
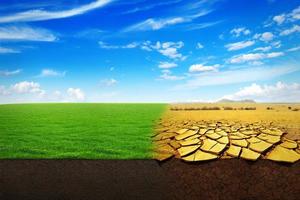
89 131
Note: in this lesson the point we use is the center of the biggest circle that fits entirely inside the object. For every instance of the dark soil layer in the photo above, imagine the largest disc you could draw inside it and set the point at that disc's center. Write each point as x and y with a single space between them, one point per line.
147 179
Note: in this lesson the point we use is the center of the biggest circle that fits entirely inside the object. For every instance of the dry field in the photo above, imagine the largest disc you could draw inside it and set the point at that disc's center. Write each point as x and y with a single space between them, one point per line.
282 115
201 132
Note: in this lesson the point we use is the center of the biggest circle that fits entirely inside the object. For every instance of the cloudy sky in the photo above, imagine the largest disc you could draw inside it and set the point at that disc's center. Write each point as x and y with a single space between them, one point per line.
149 51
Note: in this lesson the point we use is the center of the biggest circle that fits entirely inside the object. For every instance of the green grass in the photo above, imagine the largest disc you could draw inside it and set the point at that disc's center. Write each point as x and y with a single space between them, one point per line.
88 131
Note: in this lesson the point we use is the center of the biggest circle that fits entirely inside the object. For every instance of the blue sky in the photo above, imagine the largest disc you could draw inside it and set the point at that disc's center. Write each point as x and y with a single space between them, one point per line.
149 51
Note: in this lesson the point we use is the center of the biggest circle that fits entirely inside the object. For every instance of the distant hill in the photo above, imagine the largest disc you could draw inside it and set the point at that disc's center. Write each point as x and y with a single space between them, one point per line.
238 101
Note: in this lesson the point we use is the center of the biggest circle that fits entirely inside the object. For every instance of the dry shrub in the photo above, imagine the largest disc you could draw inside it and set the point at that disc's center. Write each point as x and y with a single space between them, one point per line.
247 108
296 109
195 108
228 108
250 108
270 108
175 109
211 108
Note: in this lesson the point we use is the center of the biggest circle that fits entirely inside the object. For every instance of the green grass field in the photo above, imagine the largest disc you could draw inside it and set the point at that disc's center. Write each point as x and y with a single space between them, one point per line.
88 131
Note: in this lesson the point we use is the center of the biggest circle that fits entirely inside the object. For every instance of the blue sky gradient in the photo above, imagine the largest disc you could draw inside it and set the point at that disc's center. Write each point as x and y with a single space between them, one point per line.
149 51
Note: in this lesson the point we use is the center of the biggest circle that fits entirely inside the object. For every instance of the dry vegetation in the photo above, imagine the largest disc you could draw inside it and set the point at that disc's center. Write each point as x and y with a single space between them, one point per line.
286 115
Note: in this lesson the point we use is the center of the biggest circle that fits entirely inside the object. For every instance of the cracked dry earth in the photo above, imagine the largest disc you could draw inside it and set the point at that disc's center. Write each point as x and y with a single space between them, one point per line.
193 141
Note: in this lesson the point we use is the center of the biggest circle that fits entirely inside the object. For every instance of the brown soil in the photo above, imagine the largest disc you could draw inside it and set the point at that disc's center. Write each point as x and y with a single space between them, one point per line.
147 179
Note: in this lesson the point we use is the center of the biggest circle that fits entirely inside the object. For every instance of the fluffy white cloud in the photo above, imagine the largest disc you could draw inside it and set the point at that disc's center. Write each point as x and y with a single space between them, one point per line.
168 49
203 68
29 91
4 50
26 33
292 16
109 82
40 15
280 92
291 30
279 19
239 45
52 73
254 57
10 73
265 37
199 46
167 65
27 87
238 31
76 94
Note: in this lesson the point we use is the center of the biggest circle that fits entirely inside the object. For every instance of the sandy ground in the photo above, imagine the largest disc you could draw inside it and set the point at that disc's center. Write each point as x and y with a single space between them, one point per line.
148 179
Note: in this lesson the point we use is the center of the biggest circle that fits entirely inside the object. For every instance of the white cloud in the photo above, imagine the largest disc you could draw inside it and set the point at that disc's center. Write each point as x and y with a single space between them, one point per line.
279 19
267 36
276 44
29 91
235 76
253 57
289 31
109 82
168 49
76 94
292 16
199 46
171 77
27 87
3 90
170 52
10 73
194 26
156 24
40 15
52 73
264 49
167 75
4 50
295 14
126 46
26 33
203 68
239 45
280 92
256 63
149 7
238 31
167 65
294 49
